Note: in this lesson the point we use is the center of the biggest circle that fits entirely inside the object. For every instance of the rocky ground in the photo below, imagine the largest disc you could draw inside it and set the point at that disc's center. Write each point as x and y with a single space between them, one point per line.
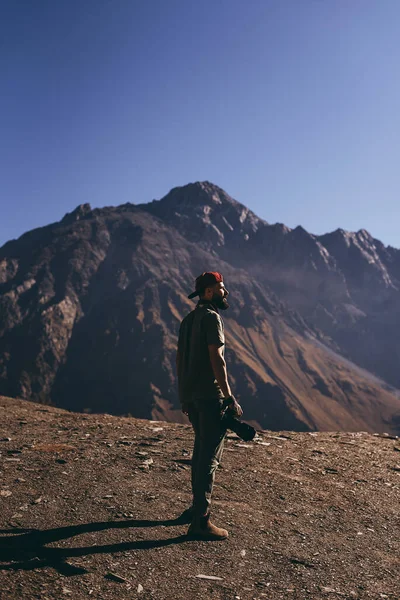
90 507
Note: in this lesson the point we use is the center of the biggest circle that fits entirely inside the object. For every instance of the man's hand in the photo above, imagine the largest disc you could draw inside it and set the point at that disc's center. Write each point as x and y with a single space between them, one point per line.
235 406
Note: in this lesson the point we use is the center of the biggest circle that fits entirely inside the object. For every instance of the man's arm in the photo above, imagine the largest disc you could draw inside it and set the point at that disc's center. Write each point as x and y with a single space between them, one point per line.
221 374
219 368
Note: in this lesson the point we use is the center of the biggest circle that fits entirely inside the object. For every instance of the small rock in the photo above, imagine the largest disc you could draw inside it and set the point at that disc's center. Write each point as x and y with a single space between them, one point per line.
38 500
6 439
5 493
66 591
115 577
211 577
139 588
243 553
157 429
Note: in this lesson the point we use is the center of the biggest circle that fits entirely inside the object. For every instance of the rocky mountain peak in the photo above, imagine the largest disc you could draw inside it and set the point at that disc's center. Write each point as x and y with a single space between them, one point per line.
204 212
79 213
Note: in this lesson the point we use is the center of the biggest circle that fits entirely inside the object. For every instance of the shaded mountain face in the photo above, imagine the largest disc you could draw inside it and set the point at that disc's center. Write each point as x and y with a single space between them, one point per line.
90 309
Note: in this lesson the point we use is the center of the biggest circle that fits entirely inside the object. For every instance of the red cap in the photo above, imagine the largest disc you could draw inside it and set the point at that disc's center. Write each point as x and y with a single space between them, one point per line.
206 279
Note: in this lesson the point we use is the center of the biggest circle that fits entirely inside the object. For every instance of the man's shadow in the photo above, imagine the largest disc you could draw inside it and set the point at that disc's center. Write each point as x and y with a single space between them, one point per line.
26 548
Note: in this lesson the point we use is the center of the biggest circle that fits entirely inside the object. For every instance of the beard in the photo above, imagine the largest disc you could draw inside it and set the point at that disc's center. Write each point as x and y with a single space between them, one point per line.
221 303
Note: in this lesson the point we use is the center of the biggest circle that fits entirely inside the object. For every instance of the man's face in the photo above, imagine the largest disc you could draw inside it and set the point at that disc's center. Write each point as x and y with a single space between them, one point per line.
219 297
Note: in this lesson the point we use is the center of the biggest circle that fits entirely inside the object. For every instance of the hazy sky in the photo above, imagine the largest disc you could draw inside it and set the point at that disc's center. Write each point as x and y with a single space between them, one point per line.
291 106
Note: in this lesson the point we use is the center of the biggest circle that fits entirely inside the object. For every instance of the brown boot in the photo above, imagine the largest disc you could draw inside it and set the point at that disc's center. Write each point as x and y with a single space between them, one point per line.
202 528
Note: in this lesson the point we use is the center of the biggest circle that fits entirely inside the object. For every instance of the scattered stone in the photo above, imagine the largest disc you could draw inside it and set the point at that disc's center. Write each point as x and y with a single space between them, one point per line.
211 577
139 588
38 500
115 577
298 561
243 553
6 439
5 493
66 591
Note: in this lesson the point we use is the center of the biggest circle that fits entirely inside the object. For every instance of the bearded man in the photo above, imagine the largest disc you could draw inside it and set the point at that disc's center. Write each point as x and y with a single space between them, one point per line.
204 391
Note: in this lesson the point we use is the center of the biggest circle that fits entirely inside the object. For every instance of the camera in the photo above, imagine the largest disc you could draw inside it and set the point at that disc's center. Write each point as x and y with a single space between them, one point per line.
245 431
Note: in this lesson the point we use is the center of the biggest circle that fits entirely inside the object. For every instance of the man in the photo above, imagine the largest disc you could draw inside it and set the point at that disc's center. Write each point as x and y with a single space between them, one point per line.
203 388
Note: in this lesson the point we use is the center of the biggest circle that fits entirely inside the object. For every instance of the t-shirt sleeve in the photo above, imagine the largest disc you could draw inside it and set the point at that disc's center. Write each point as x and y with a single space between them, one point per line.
214 329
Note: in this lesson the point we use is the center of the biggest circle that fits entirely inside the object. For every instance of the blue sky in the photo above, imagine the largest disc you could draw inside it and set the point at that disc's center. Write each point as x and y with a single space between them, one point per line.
291 106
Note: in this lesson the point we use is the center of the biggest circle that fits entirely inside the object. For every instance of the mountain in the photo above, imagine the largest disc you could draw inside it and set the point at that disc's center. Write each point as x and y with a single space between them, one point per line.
90 310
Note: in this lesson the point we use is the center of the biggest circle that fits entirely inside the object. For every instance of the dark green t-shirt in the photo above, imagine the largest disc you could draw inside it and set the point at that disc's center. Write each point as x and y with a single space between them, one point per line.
200 328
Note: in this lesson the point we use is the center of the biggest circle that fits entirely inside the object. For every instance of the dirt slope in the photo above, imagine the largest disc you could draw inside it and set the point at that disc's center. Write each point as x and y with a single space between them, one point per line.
89 507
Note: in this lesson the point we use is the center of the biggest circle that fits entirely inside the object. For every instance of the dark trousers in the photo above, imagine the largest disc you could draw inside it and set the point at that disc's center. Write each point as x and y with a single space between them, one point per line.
206 419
